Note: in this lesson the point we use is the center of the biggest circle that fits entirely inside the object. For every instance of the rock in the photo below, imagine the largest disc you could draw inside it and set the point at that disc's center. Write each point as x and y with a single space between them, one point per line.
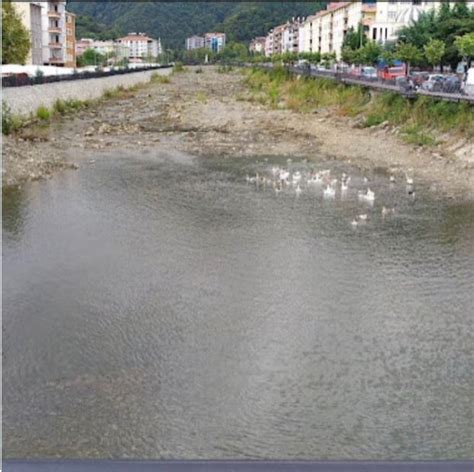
89 132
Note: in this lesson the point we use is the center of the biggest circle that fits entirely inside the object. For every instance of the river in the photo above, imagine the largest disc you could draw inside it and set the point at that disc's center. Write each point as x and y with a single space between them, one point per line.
159 306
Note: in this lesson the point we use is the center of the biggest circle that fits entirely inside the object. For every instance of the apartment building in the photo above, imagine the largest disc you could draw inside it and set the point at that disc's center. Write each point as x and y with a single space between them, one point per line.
70 40
269 44
31 16
141 47
278 33
391 16
115 50
54 33
195 42
257 45
215 41
291 37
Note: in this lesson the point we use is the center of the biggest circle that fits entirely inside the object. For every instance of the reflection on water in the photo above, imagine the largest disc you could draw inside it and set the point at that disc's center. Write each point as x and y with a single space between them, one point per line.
162 307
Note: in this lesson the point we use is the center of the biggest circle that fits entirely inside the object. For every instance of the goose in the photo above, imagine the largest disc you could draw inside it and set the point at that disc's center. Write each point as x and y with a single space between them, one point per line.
345 184
298 190
354 223
392 179
370 195
409 179
329 192
296 176
363 217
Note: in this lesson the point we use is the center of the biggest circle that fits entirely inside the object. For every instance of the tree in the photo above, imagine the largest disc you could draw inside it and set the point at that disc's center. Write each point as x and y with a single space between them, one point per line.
371 52
16 41
355 39
408 53
434 51
91 58
465 46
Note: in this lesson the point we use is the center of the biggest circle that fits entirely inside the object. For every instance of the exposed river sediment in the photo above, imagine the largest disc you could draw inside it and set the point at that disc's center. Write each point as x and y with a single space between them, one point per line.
208 113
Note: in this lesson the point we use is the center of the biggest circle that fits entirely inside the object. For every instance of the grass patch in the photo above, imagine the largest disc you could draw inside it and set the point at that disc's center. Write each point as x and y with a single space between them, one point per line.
10 122
43 114
420 118
224 69
202 97
159 79
178 68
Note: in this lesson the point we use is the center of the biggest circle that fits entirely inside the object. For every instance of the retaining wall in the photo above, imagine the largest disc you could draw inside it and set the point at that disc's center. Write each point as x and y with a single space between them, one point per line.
25 100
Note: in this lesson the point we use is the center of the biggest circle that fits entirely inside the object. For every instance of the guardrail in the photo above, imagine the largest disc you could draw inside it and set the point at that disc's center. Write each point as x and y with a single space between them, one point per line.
22 80
378 84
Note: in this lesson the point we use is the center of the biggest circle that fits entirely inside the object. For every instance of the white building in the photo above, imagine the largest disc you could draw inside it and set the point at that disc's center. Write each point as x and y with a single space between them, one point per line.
195 42
393 15
54 32
141 47
31 16
215 41
46 23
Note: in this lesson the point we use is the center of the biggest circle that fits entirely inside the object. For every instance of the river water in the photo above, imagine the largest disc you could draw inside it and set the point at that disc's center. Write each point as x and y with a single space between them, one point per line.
159 306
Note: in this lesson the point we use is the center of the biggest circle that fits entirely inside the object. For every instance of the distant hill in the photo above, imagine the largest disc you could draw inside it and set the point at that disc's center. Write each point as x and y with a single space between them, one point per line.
175 21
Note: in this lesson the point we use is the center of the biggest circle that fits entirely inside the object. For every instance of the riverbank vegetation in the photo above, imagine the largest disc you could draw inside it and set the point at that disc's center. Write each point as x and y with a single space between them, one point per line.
43 116
419 121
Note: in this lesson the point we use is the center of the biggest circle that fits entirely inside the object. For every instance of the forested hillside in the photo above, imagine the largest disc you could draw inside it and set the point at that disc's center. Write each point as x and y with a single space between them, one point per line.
174 21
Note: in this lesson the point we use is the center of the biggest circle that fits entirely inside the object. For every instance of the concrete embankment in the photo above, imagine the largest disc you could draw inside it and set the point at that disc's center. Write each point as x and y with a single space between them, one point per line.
25 100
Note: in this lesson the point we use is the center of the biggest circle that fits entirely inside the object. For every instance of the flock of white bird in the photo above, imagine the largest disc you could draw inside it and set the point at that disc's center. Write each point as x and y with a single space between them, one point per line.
283 178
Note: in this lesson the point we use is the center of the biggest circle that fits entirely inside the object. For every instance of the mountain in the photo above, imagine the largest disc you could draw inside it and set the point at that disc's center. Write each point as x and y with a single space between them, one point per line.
175 21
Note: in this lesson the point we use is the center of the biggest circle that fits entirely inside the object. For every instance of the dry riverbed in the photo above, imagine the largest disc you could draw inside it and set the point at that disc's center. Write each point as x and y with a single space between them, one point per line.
211 114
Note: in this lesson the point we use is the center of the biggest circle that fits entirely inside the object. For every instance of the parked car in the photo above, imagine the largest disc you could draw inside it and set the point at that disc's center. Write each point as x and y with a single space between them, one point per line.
434 83
391 73
419 78
452 84
369 73
468 87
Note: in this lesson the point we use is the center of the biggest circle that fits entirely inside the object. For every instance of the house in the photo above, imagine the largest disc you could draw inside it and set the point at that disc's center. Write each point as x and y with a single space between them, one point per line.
141 47
257 45
215 41
195 42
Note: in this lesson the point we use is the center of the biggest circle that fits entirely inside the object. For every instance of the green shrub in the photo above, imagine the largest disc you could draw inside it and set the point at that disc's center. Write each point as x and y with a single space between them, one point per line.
43 113
60 107
159 79
10 123
178 67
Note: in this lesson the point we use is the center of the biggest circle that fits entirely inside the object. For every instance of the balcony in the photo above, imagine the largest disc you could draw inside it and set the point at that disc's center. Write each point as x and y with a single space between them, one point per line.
54 14
55 30
56 45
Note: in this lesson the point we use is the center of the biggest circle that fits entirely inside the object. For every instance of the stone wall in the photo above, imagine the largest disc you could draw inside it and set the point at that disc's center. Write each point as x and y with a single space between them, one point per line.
26 100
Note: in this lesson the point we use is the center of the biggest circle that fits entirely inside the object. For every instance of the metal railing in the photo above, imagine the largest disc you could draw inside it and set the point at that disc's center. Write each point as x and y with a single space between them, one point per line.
22 80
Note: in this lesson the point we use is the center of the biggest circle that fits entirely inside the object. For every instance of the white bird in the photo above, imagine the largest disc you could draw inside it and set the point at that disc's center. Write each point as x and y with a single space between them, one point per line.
296 176
363 217
275 170
409 179
298 190
345 184
329 192
354 223
392 179
370 195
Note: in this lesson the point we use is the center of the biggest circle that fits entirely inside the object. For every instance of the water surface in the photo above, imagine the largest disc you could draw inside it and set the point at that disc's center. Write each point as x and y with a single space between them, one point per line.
158 306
